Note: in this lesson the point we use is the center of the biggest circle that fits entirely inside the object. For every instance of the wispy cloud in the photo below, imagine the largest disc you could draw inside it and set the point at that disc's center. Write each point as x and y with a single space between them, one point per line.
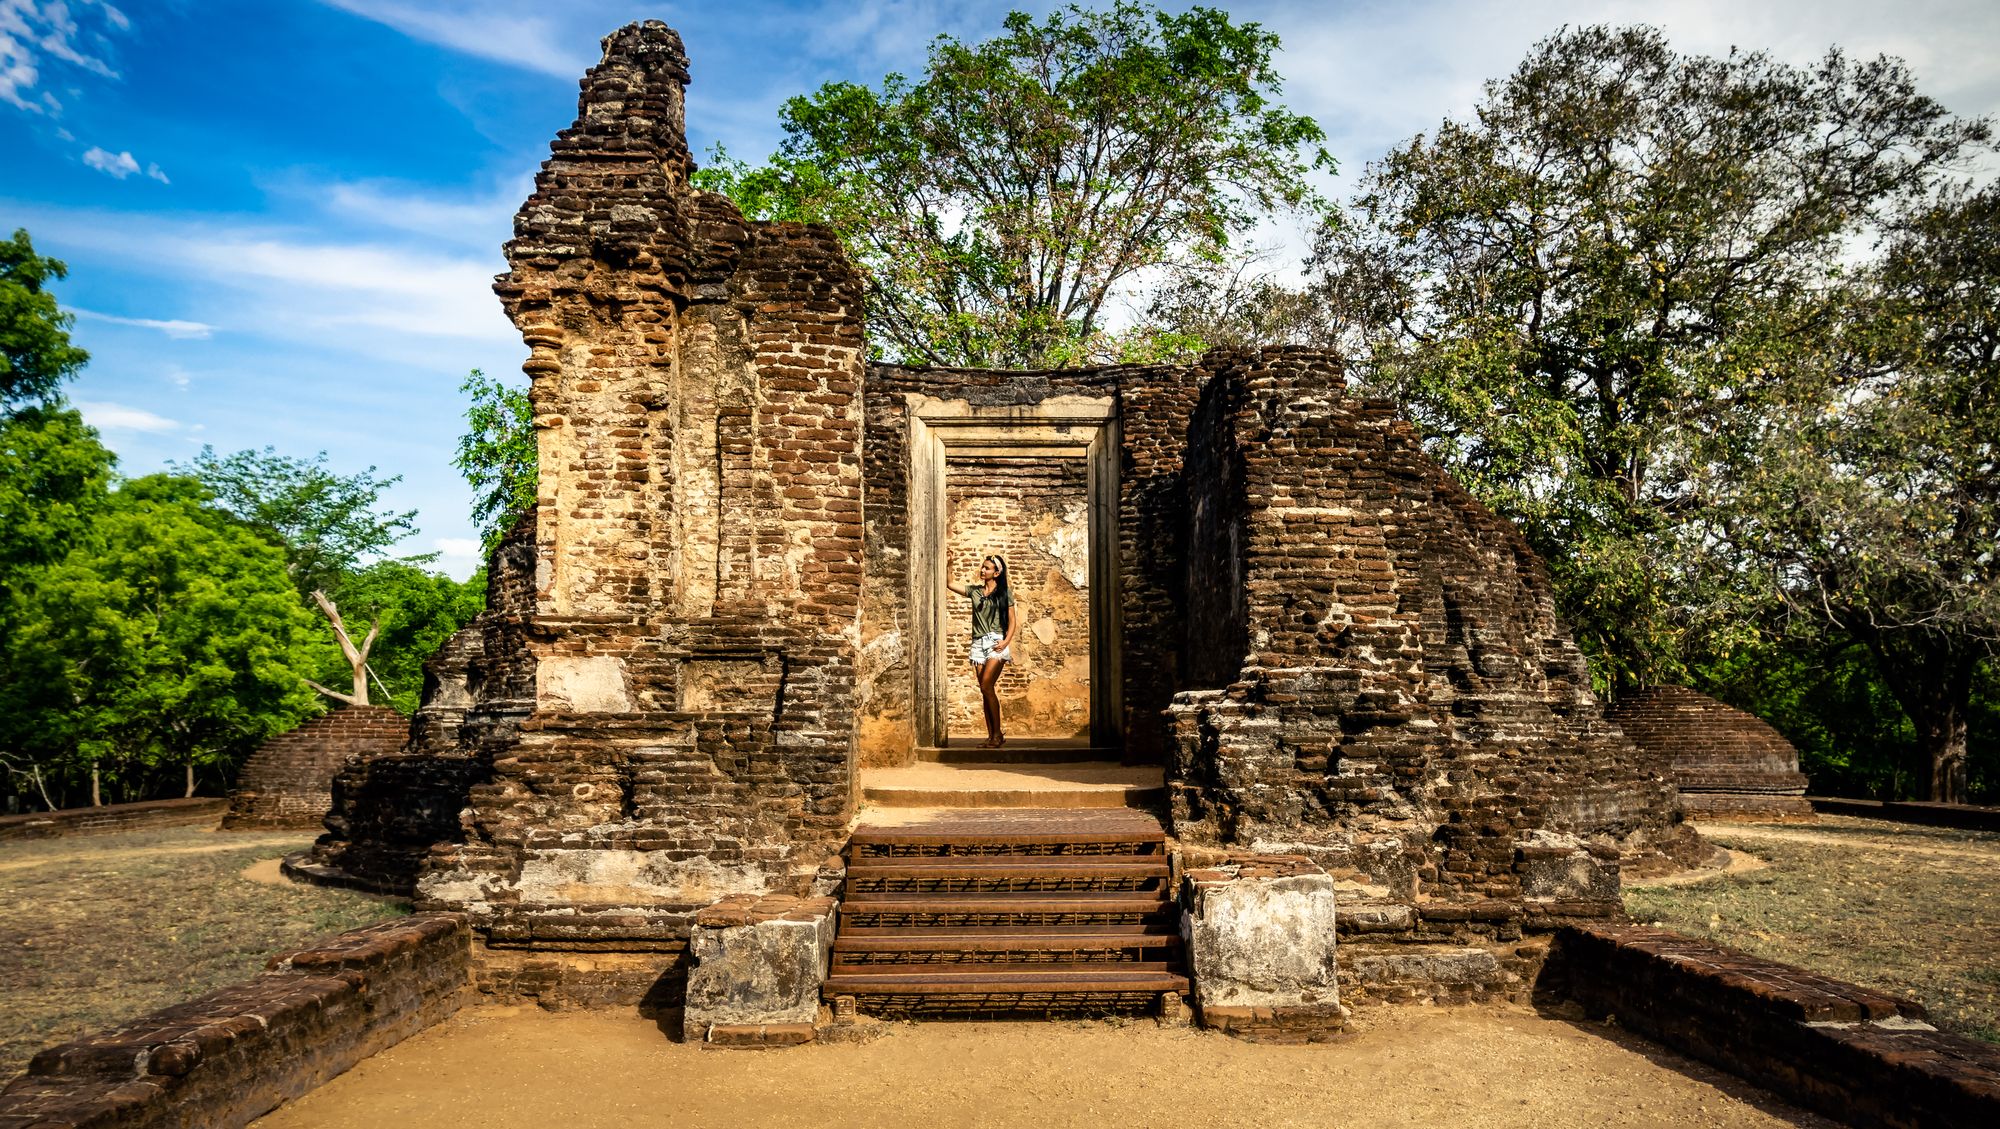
179 330
119 165
484 29
33 32
106 416
481 220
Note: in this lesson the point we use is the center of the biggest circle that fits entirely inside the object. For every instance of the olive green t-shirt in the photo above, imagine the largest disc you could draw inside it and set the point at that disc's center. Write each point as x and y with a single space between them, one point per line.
989 613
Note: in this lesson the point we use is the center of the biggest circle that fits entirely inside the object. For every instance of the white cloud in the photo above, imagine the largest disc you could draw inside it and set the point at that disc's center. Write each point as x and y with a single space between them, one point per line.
483 221
106 416
179 330
120 165
154 172
458 556
34 31
478 27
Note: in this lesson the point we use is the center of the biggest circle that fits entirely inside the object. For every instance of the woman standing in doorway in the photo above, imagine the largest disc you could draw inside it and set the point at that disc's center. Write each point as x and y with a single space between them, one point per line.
992 637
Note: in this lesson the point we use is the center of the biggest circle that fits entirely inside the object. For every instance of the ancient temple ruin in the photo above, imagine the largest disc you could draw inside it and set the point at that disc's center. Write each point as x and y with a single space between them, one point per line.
729 607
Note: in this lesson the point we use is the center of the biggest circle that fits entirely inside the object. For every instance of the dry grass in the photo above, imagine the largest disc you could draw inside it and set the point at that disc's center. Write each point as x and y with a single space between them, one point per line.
101 929
1907 910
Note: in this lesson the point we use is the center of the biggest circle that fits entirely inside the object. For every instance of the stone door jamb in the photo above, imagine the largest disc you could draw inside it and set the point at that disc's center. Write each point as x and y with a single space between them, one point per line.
1061 427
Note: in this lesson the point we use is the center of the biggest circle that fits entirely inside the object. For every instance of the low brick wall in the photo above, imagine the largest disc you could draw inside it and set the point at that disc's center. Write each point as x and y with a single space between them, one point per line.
229 1057
289 781
1965 817
201 811
1859 1056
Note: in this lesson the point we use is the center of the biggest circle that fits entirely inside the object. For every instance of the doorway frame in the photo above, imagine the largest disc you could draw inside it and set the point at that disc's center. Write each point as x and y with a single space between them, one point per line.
1084 427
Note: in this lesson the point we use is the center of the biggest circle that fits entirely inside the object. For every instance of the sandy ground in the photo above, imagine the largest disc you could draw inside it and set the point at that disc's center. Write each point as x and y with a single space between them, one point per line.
1466 1068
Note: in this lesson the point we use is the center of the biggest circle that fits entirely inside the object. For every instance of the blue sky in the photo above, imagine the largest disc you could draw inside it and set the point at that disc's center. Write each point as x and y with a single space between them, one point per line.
282 217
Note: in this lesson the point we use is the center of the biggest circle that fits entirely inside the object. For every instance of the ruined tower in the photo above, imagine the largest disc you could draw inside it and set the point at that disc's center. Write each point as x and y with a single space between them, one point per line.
729 599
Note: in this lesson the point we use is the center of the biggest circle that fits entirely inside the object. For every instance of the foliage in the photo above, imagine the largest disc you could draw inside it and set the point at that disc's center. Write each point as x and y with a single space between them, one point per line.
1872 498
497 455
35 353
1577 292
327 524
169 636
54 474
418 610
998 203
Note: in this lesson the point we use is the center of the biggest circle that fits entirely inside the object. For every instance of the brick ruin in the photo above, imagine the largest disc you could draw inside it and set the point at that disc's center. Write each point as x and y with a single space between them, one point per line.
1728 765
729 601
288 781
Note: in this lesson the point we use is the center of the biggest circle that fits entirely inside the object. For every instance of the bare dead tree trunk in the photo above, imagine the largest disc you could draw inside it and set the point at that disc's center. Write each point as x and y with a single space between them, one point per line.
96 794
357 657
190 778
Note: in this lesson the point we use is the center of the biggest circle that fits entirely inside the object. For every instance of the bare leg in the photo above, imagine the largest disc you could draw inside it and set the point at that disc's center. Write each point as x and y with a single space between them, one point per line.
989 698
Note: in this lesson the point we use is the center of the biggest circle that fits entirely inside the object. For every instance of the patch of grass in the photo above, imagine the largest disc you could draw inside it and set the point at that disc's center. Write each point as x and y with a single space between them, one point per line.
1906 910
102 929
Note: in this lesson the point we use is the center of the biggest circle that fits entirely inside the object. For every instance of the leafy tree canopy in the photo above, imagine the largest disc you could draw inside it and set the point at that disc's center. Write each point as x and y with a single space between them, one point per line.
169 636
35 353
998 203
1582 290
497 455
328 524
1869 497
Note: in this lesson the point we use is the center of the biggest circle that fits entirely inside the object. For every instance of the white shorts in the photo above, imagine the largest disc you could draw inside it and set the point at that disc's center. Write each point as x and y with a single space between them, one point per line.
988 647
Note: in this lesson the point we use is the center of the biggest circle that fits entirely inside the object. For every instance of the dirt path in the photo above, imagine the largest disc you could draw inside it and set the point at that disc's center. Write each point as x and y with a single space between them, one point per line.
1467 1068
84 854
1787 833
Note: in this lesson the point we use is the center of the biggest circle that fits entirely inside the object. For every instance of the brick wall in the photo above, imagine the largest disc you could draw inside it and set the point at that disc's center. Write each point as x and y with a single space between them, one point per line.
288 782
1857 1055
1153 403
1728 764
1407 709
108 819
657 707
224 1059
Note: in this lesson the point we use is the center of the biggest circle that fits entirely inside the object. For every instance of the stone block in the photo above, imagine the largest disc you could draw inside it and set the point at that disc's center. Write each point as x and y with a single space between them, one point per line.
759 964
1557 866
1260 934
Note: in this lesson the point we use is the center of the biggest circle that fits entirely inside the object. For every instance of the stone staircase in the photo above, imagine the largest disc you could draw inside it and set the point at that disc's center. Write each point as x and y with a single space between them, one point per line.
1000 911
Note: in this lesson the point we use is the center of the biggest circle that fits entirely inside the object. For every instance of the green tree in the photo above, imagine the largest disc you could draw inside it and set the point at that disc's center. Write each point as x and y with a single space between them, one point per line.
999 204
35 353
498 455
171 636
1578 292
1872 498
327 524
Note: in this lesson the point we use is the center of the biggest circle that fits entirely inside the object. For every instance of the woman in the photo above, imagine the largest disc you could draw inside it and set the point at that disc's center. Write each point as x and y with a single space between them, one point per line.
992 637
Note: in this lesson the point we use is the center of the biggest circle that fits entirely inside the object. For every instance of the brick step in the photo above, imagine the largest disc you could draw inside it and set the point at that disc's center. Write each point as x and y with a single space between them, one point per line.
1009 874
1073 979
989 946
1037 832
1037 909
970 932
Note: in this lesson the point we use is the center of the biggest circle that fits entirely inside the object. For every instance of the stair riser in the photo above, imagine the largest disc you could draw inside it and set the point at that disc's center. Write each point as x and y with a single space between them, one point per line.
964 918
1004 885
909 852
989 958
991 1005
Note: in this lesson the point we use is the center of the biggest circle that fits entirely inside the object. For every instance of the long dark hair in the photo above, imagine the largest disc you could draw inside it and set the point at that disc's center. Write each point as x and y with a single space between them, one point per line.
1000 587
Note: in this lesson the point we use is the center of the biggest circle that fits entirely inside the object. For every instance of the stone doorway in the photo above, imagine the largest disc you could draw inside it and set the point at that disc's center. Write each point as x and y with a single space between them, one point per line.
1038 485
